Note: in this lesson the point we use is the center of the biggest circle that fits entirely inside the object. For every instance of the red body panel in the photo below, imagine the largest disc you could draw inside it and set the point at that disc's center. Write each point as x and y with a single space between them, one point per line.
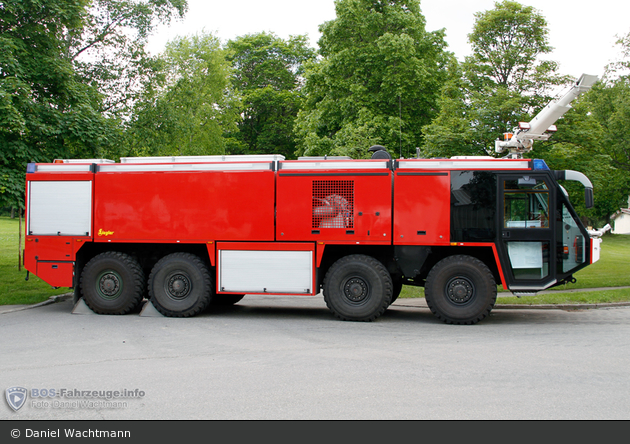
46 248
362 213
265 246
422 208
56 273
52 258
184 206
30 263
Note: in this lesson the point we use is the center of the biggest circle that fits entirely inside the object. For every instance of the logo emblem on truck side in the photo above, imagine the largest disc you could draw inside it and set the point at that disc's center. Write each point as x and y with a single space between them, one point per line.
102 232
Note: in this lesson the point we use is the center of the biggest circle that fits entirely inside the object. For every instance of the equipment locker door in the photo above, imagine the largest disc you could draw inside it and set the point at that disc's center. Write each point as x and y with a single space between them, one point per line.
526 220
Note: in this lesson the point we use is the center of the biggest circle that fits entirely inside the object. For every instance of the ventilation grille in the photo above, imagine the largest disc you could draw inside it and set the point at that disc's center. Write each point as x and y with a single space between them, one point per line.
333 204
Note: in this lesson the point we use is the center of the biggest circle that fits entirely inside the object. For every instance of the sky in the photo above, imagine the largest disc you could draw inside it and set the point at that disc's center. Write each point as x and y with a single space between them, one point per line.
583 34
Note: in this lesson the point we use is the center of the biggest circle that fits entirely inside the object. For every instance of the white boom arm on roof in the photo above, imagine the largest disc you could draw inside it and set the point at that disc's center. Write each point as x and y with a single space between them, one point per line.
541 126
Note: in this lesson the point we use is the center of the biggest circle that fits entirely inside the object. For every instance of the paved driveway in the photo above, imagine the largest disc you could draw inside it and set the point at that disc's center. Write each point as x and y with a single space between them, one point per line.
275 357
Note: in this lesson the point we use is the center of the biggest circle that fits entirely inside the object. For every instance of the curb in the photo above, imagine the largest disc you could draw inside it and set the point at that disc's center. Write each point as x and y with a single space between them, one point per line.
562 306
568 307
51 300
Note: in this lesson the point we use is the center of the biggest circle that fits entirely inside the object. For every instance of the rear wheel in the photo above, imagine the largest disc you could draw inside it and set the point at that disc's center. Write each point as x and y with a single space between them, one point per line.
180 285
357 288
460 290
112 283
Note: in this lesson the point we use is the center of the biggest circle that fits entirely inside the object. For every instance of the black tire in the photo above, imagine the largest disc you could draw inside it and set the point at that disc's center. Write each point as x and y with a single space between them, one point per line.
112 283
460 290
180 285
397 288
357 288
226 299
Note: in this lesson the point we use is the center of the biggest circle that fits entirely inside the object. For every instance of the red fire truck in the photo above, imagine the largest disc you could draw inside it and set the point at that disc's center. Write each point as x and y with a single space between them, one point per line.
190 232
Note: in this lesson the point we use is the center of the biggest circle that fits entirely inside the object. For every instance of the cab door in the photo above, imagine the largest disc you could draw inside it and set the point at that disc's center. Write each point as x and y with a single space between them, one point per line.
526 220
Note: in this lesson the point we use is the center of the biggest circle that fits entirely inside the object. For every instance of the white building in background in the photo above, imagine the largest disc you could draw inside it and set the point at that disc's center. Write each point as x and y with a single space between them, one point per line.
621 220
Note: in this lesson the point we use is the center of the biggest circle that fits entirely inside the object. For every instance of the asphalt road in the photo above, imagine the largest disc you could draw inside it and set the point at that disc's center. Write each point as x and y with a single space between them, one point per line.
273 357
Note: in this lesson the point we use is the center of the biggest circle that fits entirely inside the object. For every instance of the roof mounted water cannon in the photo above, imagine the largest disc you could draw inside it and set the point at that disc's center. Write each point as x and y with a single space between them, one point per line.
542 126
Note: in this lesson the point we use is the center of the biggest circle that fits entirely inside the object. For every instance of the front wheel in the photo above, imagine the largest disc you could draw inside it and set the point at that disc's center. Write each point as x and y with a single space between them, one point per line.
180 285
460 290
358 288
112 283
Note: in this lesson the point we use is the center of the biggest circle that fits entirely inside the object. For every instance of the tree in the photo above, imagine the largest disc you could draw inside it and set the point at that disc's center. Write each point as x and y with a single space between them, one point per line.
189 105
267 73
578 146
503 82
377 82
108 51
594 138
611 107
68 70
46 111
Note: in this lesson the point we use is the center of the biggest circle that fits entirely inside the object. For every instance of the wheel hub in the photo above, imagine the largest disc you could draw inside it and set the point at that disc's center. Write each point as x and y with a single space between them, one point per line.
356 289
460 290
109 285
178 286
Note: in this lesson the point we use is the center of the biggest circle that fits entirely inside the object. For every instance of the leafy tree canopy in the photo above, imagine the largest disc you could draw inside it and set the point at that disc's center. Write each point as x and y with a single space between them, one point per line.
377 81
66 71
268 75
503 82
611 107
188 105
46 111
108 50
594 138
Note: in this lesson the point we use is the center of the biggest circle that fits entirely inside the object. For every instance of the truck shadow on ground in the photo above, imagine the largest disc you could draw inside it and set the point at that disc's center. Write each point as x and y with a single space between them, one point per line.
272 312
280 310
403 315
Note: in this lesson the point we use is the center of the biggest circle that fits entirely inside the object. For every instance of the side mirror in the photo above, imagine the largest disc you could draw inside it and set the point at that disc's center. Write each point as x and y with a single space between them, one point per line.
588 197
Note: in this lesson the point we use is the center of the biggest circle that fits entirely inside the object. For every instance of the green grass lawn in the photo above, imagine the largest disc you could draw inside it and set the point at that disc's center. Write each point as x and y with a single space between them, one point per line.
586 297
14 290
612 270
